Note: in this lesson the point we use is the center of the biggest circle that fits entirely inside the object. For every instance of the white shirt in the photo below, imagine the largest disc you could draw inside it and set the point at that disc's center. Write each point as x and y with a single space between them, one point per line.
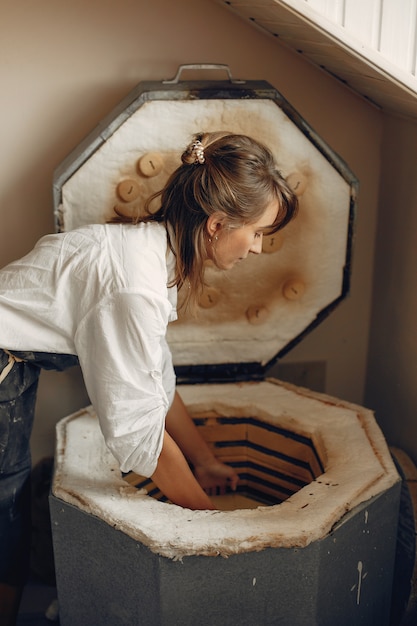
100 292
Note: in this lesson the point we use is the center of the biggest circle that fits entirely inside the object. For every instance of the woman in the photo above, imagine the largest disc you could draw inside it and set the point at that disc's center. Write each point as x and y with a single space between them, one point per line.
103 296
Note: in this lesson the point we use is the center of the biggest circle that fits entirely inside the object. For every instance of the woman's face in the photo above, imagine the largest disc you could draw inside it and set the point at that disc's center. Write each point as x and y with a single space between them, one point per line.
230 245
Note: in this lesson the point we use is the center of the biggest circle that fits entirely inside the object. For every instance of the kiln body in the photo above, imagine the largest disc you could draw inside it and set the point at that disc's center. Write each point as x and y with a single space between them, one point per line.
317 543
323 556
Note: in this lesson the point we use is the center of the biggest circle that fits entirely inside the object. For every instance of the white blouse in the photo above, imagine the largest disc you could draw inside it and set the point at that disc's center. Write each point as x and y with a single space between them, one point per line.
100 292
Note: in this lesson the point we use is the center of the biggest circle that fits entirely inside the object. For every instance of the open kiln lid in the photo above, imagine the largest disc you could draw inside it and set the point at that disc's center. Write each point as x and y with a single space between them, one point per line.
257 311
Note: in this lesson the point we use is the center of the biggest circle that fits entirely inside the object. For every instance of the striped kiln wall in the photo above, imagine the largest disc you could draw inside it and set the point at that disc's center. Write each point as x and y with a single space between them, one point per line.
273 462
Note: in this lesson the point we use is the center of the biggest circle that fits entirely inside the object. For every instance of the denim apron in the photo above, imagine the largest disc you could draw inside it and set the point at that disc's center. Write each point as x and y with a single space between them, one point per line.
19 375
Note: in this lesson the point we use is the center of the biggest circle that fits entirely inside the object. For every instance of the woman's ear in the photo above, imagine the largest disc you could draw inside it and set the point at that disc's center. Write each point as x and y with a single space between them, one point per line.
214 223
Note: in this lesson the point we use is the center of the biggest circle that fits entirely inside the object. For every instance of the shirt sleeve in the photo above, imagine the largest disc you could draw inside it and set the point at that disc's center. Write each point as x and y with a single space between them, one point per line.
168 373
128 372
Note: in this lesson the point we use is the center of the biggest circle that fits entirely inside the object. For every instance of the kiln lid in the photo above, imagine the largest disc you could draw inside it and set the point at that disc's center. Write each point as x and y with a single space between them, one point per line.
256 312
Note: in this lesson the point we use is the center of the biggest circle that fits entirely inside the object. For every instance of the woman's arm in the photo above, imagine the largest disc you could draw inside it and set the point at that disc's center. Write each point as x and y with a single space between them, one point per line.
209 471
173 475
175 479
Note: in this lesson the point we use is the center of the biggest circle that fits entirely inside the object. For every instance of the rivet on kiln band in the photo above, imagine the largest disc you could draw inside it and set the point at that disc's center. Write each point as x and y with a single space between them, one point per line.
257 314
128 190
150 164
297 182
293 289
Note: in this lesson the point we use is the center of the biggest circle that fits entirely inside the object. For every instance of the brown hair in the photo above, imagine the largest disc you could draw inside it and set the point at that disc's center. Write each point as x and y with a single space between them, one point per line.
238 177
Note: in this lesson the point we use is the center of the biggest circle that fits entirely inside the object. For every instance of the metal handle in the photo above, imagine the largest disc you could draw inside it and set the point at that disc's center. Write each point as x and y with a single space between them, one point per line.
201 66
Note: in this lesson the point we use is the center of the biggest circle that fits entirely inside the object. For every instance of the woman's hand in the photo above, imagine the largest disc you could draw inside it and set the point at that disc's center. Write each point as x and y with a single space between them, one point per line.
210 474
216 477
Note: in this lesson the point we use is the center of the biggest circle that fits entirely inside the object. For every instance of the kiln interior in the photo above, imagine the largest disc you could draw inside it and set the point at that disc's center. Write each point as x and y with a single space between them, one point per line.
273 463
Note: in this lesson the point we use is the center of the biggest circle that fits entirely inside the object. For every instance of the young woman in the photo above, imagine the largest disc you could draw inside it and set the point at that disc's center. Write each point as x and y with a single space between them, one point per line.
103 296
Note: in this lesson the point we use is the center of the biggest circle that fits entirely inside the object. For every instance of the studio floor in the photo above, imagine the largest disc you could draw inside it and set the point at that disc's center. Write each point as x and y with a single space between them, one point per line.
37 601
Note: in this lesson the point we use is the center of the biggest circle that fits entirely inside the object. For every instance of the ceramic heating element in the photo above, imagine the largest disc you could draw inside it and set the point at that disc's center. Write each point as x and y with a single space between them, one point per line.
309 537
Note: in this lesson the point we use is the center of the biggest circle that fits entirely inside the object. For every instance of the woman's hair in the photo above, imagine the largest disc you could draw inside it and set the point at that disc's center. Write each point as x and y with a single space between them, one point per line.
220 172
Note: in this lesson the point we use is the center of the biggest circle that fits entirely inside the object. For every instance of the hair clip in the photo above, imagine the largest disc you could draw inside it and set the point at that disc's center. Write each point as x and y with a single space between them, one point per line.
197 150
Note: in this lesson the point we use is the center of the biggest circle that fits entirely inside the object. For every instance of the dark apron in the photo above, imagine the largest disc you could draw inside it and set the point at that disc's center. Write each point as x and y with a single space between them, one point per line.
19 375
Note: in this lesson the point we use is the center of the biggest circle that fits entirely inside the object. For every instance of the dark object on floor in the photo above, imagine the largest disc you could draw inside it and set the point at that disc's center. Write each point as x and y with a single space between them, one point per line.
39 593
37 601
9 603
42 555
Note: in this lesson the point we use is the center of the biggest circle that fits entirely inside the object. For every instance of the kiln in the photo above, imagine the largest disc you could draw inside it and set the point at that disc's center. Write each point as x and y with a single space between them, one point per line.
310 536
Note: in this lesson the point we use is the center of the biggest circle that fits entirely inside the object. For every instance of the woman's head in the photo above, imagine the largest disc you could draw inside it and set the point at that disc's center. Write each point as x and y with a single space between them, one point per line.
226 182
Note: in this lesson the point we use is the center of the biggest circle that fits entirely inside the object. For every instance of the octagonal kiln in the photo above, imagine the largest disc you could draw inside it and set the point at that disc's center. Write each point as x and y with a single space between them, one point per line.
319 546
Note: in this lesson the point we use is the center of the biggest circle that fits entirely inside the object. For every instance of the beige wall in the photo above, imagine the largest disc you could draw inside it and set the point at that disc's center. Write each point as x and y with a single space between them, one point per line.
392 374
65 64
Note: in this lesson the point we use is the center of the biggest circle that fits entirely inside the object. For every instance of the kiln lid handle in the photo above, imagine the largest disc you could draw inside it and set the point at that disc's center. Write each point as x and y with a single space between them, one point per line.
201 66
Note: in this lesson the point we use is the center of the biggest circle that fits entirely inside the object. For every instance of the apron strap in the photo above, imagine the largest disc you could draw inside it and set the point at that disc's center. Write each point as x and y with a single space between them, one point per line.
8 367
